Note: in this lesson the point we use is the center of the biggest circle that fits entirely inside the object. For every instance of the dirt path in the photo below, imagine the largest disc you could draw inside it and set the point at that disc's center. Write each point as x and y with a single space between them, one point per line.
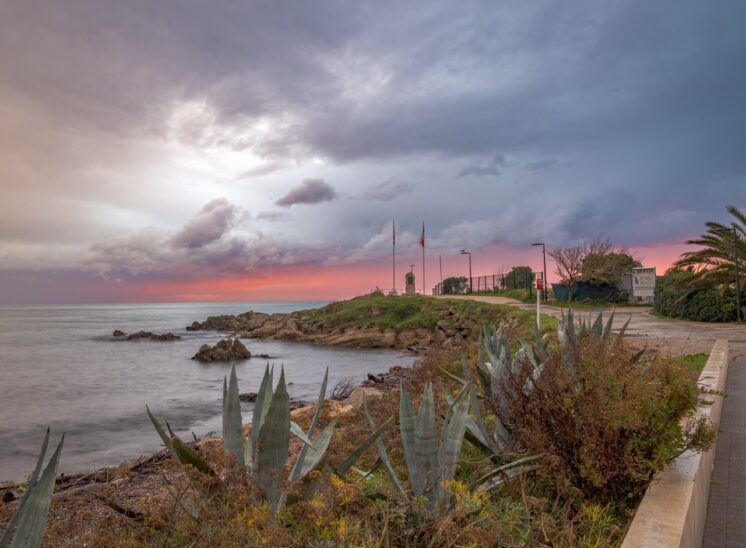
669 336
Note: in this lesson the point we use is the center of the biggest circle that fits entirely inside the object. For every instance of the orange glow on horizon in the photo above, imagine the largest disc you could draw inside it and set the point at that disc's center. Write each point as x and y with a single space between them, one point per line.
345 281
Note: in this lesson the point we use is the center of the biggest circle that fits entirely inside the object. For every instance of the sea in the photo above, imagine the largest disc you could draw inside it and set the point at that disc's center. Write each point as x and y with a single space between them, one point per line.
60 367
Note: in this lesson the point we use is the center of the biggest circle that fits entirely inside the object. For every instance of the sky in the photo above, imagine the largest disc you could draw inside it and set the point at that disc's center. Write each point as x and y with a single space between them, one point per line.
190 150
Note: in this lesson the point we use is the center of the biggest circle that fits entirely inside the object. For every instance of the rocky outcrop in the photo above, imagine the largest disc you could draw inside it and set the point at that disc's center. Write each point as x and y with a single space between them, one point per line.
297 326
453 327
145 335
225 350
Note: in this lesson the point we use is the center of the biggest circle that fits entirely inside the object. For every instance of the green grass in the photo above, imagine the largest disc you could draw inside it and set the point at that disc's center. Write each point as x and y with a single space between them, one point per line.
413 312
695 363
517 294
598 304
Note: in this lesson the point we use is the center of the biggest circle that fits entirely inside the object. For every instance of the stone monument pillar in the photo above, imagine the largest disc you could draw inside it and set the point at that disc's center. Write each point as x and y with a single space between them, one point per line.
409 283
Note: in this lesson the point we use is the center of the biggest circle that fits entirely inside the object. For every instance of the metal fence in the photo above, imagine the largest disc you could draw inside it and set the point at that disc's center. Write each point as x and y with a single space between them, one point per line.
493 282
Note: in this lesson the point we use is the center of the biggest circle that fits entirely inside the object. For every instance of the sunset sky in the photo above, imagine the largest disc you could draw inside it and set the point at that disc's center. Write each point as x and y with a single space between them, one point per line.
192 150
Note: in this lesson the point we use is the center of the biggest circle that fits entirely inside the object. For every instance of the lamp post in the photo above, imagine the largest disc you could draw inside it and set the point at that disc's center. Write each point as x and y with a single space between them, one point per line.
544 272
739 314
464 252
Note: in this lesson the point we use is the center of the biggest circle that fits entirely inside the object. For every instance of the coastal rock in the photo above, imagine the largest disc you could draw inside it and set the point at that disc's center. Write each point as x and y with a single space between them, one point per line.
294 404
225 350
194 327
356 398
145 335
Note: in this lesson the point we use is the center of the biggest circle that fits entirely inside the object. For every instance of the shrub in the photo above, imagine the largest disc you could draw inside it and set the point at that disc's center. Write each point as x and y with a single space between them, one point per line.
605 422
677 298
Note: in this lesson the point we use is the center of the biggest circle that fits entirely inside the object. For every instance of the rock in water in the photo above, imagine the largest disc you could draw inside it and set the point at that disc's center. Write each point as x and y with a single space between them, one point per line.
194 327
225 350
117 333
147 335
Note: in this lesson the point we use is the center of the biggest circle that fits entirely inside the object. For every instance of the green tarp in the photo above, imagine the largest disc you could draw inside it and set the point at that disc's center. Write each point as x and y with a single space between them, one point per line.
583 291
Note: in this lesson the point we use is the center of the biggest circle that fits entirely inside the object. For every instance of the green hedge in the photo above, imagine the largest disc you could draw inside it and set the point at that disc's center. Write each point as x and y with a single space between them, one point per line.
674 299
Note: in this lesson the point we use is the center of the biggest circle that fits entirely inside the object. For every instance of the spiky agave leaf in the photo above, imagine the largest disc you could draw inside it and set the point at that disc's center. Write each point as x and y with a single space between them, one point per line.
407 418
598 324
452 438
299 464
178 448
273 444
483 437
233 442
607 329
298 432
10 527
33 521
362 448
426 442
508 471
261 407
382 453
315 453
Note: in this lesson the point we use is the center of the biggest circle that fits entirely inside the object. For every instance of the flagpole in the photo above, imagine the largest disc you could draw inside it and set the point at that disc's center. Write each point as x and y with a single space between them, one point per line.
423 257
393 258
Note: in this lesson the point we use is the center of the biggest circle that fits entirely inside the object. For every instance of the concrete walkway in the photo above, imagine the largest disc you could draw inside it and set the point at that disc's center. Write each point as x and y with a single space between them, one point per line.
726 510
669 336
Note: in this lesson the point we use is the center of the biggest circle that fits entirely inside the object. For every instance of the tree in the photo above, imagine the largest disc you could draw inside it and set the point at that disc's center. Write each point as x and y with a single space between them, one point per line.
713 264
607 268
454 285
518 278
568 262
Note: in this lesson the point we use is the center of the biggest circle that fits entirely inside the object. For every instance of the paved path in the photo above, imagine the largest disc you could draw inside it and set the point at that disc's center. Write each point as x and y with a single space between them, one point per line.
726 510
673 337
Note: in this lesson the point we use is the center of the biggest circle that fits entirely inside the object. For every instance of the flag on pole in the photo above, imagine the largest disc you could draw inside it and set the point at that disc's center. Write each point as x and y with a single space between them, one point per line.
422 236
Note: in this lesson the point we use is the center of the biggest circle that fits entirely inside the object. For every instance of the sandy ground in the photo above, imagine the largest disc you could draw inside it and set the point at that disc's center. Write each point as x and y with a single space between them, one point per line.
669 336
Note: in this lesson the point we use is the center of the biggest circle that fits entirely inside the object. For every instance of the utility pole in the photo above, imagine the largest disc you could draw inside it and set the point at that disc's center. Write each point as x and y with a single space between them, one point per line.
739 313
464 252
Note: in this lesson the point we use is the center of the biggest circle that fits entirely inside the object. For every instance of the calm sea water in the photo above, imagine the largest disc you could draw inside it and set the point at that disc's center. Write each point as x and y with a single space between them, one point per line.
60 366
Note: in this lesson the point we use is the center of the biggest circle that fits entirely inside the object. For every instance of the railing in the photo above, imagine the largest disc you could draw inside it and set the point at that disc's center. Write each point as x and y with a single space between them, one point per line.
492 282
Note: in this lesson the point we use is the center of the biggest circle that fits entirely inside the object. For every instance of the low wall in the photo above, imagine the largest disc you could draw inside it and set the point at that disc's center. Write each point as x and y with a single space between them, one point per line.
673 511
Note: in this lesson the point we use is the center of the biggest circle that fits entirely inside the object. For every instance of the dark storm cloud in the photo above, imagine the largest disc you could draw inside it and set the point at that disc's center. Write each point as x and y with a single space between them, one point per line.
213 220
622 118
206 244
310 191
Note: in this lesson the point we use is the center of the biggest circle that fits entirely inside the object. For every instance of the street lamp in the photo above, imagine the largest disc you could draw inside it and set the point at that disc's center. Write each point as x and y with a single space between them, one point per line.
464 252
544 273
739 314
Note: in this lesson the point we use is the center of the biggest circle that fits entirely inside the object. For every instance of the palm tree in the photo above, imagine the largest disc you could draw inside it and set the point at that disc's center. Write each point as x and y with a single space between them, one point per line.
713 264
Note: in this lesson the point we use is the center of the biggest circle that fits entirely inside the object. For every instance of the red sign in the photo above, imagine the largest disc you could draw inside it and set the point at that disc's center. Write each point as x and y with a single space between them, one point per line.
539 284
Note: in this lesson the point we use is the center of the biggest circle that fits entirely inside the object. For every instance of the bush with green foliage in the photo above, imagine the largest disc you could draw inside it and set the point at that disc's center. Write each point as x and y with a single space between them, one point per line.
455 285
519 277
678 294
605 417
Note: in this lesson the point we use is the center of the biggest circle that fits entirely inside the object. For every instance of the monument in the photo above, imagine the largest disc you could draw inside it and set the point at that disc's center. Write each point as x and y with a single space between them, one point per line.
409 288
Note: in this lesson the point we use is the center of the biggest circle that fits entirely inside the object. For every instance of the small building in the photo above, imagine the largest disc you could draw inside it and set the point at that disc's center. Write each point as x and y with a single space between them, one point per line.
643 284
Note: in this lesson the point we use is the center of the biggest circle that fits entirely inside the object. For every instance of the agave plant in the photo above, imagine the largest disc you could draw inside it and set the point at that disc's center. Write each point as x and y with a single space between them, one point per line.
265 451
431 458
29 521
